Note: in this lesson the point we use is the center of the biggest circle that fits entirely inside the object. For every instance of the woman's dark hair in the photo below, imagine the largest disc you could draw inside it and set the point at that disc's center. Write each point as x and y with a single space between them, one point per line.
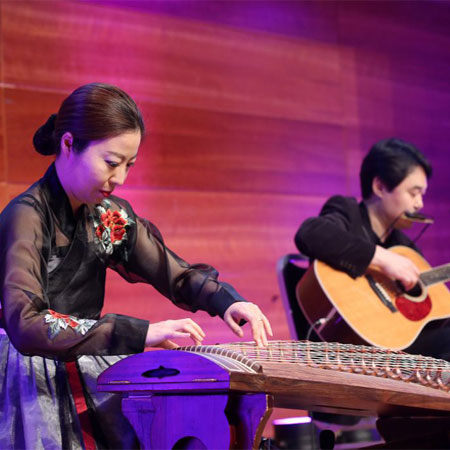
391 160
92 112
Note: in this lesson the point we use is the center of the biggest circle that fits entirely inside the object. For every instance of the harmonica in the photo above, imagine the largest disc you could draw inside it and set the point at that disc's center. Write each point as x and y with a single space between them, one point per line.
417 217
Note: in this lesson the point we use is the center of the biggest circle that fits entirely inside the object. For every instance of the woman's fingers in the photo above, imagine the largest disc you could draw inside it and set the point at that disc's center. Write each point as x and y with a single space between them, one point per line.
260 325
167 344
237 330
171 329
259 331
194 330
160 333
267 326
197 333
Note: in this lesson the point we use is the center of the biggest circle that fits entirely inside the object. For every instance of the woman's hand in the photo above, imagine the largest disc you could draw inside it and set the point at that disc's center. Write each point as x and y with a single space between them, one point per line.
160 333
252 314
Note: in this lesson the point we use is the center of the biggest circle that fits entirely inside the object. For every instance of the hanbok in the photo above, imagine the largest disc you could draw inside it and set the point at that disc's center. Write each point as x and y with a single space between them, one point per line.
55 341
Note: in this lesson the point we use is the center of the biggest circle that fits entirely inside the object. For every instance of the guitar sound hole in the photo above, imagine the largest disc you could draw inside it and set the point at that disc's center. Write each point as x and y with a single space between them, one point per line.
416 291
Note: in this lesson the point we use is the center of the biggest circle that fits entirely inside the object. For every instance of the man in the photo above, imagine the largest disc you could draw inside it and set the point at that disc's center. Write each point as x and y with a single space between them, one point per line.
354 237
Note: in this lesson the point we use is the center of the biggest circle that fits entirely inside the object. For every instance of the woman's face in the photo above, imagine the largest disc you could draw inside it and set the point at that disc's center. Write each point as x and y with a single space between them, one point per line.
92 175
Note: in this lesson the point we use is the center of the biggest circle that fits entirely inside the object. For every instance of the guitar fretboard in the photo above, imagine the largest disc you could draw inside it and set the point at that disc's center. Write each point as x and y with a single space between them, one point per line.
439 274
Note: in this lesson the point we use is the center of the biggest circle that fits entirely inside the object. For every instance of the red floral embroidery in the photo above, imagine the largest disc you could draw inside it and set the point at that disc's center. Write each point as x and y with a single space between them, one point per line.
115 222
110 229
64 317
57 322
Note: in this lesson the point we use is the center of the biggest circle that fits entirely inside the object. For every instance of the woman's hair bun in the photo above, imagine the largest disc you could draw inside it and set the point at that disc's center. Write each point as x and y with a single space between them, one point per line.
43 139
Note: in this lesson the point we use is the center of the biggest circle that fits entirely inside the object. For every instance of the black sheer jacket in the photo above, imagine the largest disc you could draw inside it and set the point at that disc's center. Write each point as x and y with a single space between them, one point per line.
342 236
53 268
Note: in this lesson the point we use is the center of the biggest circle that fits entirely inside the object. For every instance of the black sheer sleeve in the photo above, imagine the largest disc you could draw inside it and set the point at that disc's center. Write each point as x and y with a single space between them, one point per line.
337 237
26 231
189 286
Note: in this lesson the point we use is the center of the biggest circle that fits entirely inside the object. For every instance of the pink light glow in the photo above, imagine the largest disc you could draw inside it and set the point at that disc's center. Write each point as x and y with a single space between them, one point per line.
292 420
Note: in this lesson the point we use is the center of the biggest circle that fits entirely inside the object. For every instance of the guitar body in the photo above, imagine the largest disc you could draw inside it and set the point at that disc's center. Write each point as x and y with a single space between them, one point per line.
372 308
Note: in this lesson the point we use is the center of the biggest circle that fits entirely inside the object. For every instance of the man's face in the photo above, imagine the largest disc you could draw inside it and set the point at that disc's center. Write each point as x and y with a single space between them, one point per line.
406 197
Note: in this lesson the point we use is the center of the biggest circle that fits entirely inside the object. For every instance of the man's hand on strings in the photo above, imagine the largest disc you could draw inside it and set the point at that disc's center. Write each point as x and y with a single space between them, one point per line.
160 333
251 313
396 267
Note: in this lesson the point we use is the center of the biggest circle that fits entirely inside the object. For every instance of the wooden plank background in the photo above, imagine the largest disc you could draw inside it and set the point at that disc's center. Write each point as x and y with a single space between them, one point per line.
256 111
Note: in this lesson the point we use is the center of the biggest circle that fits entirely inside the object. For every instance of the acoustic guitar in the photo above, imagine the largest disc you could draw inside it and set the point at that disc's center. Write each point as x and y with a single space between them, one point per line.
373 308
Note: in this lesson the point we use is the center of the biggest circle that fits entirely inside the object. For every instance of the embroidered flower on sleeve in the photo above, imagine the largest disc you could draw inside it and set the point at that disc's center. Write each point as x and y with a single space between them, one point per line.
110 227
58 322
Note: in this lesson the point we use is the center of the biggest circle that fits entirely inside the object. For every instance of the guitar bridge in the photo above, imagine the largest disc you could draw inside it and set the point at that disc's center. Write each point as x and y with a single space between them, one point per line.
381 293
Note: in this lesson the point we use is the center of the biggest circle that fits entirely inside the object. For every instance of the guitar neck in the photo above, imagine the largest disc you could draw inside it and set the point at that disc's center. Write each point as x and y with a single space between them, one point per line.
439 274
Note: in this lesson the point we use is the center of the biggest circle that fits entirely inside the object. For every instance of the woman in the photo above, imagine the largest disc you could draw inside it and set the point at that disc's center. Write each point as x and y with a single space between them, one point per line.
56 241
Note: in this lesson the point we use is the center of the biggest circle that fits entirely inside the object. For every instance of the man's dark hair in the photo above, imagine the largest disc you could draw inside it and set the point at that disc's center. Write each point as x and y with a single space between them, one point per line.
391 160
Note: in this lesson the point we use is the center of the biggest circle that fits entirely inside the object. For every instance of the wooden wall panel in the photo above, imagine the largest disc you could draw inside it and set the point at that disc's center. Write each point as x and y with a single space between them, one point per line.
2 121
315 21
233 152
233 111
3 194
406 29
170 60
236 152
257 112
10 190
3 152
25 111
